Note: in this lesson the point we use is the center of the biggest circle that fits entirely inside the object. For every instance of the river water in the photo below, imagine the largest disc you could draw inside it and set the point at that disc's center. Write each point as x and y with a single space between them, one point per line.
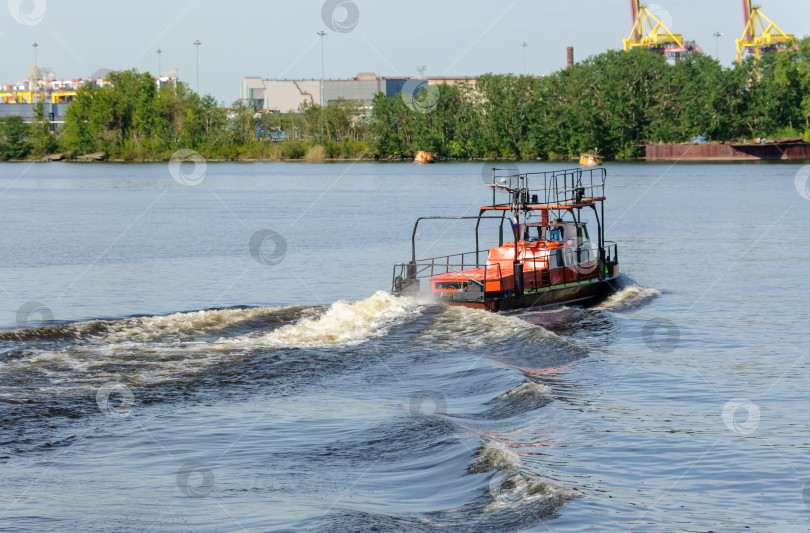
226 356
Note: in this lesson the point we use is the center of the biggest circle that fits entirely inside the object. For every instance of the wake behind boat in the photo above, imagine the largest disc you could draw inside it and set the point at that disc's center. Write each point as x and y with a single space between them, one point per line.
551 258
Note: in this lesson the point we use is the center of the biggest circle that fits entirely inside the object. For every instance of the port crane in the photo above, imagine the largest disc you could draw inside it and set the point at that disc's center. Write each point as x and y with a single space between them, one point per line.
649 32
758 36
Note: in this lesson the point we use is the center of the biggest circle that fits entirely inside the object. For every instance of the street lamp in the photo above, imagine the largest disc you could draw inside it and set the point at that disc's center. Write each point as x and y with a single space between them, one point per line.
197 44
34 76
524 44
322 34
159 69
717 34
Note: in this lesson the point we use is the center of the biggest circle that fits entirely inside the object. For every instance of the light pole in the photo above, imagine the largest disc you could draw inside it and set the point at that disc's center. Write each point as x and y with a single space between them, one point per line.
197 44
717 34
159 69
525 45
322 34
34 75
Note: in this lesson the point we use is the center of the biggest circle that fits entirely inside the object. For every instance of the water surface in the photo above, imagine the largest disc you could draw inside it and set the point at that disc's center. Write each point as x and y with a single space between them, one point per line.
178 383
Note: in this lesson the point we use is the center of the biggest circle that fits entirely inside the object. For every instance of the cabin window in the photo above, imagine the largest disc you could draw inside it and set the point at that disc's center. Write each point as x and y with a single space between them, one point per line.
555 260
568 256
582 234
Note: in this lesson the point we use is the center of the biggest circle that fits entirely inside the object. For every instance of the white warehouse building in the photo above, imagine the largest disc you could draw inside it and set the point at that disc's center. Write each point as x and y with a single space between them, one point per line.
284 96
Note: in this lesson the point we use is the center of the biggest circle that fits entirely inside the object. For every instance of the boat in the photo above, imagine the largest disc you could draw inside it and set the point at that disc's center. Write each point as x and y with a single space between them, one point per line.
590 159
423 158
789 149
550 258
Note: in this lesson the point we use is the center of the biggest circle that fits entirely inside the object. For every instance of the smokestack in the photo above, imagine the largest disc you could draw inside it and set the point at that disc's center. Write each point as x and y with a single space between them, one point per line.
570 56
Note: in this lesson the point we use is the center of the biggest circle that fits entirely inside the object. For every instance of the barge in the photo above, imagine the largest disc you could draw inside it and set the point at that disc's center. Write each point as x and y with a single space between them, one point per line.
781 149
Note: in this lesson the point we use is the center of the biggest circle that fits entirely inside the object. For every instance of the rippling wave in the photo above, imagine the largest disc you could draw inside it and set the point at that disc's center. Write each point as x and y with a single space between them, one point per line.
476 328
143 328
513 487
629 297
528 392
343 323
150 350
53 373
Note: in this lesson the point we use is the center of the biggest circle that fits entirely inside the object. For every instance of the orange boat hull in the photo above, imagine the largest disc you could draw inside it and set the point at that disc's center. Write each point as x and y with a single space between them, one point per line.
584 294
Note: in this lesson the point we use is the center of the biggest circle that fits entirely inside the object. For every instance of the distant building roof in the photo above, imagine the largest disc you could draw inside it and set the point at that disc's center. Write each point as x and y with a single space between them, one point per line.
100 73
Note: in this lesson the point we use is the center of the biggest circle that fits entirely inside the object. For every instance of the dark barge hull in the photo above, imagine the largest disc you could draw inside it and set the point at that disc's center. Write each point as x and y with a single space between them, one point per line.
776 151
584 293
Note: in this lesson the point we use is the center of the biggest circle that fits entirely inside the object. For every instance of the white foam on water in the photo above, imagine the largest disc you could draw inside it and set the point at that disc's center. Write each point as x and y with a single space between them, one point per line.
495 455
510 487
177 324
134 349
127 349
145 328
45 360
476 327
510 490
135 363
76 329
628 298
529 389
343 324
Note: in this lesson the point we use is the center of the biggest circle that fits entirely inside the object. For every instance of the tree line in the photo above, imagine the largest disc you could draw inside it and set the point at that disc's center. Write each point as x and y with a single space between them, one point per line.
613 102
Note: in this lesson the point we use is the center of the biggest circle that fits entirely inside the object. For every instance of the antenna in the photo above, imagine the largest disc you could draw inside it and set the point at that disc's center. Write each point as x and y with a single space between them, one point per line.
421 69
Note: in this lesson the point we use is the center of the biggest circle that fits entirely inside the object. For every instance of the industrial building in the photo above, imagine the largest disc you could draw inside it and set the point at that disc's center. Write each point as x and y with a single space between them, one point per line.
284 96
43 87
54 112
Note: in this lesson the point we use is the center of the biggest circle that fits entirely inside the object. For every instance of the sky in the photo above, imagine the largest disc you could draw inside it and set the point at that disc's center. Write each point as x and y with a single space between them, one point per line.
275 39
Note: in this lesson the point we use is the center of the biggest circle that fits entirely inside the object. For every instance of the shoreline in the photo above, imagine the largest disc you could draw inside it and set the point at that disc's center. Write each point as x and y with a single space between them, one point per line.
671 153
573 162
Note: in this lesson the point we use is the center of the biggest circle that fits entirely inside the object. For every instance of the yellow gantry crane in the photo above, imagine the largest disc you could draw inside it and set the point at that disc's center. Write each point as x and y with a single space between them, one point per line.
759 37
649 32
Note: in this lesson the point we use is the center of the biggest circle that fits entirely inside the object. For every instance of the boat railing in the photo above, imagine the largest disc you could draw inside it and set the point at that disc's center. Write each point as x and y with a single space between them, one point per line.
552 188
611 252
407 275
567 266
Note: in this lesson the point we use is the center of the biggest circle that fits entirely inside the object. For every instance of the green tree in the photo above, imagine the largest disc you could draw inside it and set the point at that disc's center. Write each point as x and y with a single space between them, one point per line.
76 135
243 123
41 135
389 126
14 142
611 102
